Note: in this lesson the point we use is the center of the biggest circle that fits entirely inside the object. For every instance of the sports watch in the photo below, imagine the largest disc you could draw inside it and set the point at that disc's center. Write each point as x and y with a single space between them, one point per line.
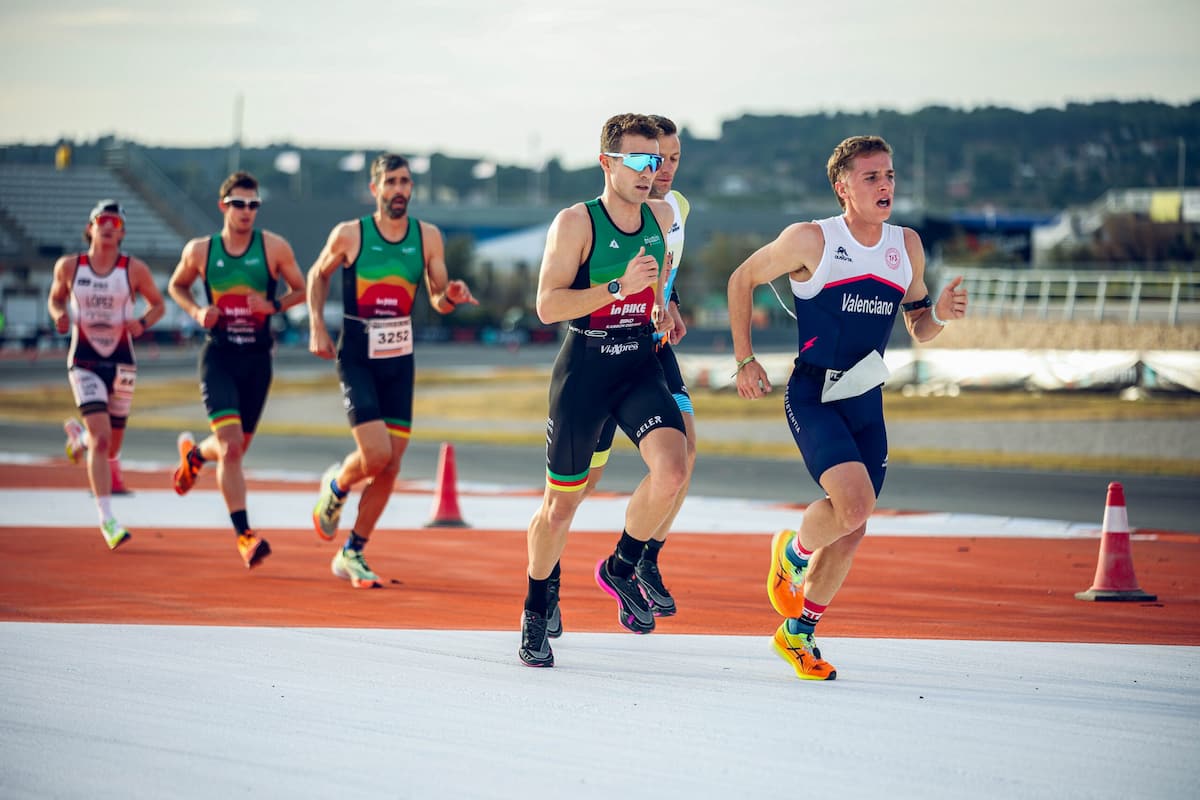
614 288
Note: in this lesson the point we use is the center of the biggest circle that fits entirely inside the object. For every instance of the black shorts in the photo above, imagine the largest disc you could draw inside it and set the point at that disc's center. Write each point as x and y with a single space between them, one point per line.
675 384
234 385
380 388
593 381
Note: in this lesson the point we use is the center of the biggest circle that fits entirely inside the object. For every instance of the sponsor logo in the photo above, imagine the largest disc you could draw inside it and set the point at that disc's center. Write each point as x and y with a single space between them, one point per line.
617 309
386 301
884 464
252 262
892 258
83 281
408 250
841 255
834 377
613 244
619 348
653 422
377 248
809 343
855 304
674 228
220 262
655 239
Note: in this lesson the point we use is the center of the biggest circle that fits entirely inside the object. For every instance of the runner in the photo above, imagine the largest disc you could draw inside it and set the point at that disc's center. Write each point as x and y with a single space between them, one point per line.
601 274
101 285
383 258
240 268
849 275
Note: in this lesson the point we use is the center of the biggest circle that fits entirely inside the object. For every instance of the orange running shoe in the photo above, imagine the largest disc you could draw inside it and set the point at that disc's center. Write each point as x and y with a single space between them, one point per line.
189 466
252 548
785 581
800 650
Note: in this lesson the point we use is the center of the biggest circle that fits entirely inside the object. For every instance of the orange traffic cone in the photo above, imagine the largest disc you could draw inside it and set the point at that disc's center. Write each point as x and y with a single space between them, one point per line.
445 495
1114 571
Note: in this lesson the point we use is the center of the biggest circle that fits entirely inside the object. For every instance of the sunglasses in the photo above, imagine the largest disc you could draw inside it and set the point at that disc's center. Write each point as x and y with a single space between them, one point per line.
111 219
241 203
638 161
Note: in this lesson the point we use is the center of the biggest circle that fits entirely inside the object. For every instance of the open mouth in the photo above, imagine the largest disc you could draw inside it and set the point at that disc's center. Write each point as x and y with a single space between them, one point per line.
884 202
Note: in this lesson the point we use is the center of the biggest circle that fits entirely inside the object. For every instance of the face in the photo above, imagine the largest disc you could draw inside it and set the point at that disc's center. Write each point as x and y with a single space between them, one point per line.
630 185
869 186
668 148
240 209
108 229
392 192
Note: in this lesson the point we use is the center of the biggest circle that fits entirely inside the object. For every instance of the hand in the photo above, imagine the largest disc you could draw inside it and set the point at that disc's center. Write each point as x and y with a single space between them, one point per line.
457 292
62 322
752 382
260 305
680 329
207 316
134 327
664 323
642 271
952 302
319 343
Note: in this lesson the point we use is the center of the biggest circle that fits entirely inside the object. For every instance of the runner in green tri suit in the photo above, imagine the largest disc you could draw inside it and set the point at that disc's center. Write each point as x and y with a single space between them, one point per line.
383 259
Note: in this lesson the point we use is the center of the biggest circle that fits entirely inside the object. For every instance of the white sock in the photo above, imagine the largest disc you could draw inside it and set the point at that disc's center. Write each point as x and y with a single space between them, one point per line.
104 506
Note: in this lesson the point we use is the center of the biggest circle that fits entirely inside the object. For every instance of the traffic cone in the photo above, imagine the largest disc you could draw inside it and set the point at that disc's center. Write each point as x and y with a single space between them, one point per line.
1114 571
445 495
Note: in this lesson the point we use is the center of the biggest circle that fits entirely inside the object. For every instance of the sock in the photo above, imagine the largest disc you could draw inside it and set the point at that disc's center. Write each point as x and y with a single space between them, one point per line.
625 557
651 551
354 542
812 612
556 573
104 506
535 596
338 493
797 554
240 520
196 457
797 626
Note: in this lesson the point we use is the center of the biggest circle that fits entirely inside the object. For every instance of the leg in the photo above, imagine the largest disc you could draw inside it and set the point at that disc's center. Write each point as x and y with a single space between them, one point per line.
665 452
378 460
99 430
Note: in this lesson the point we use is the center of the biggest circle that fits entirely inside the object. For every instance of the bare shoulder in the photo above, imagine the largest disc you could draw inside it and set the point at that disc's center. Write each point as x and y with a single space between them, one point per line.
195 248
429 230
913 245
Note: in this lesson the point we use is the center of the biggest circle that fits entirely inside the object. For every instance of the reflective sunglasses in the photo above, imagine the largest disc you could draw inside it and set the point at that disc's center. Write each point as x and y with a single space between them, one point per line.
240 203
638 161
112 219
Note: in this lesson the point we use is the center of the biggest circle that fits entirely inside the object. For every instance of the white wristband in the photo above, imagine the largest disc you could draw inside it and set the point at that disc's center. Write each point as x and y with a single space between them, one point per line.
933 316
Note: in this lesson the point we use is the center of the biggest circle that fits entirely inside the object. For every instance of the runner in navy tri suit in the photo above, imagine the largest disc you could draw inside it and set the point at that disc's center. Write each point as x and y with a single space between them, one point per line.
850 275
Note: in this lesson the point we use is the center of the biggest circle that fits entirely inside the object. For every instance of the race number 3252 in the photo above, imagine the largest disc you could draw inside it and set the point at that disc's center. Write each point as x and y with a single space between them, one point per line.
389 338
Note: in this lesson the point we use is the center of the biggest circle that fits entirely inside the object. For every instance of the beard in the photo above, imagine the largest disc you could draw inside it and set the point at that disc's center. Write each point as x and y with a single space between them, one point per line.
396 208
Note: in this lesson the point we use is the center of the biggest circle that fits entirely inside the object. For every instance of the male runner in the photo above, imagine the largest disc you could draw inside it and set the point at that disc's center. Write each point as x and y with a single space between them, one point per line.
647 573
383 259
849 275
601 273
240 268
101 285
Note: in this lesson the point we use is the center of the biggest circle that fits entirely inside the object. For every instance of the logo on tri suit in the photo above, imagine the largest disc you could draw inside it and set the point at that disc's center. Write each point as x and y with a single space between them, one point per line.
841 255
892 257
653 422
618 348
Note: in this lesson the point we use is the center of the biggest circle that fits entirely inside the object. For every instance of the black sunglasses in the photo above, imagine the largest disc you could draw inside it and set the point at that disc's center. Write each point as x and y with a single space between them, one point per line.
240 203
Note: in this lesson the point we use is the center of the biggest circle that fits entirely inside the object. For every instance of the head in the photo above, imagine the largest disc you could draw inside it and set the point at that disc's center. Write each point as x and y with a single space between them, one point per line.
668 148
861 174
239 202
624 138
391 185
106 223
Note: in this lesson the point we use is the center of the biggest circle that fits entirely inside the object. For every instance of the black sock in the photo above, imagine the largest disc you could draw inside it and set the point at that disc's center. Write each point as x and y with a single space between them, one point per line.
195 457
556 573
354 542
651 551
535 596
241 523
626 556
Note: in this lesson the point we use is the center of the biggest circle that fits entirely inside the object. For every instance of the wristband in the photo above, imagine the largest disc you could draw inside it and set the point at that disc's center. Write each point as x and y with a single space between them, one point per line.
142 319
743 363
941 323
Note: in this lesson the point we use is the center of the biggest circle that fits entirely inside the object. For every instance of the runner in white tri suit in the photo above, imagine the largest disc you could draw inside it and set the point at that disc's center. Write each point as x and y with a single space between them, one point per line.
101 285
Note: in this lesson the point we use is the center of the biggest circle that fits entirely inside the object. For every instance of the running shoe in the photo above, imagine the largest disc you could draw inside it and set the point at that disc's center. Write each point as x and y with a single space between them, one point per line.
118 482
189 463
328 510
349 565
650 581
632 611
801 651
785 581
75 447
535 646
114 534
252 548
554 627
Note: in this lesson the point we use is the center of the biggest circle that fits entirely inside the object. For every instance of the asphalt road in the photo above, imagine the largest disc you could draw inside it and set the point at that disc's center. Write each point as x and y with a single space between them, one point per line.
1154 502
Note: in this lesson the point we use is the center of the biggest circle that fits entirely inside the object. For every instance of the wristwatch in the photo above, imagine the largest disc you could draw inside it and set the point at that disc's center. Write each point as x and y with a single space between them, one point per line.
614 288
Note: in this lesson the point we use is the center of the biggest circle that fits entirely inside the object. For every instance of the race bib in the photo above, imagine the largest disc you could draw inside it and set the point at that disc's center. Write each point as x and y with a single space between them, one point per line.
862 377
124 381
389 337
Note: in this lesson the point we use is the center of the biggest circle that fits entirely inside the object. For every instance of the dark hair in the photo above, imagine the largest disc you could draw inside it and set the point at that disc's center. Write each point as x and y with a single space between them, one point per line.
238 180
385 163
850 149
617 127
666 127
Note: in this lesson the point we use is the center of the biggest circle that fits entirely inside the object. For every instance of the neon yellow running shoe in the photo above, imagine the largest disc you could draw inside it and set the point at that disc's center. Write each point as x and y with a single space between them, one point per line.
328 510
349 565
114 534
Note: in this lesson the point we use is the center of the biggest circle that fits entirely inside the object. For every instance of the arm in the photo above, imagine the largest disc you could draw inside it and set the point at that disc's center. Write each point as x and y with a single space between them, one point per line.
343 240
282 263
190 268
951 303
60 292
664 323
141 280
444 294
796 250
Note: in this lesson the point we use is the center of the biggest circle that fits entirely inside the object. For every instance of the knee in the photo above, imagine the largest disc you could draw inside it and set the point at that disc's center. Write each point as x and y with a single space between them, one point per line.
99 442
231 449
375 460
559 510
672 475
853 512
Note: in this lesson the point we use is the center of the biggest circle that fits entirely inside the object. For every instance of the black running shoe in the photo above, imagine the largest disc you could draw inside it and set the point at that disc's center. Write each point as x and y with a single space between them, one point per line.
535 647
632 611
553 612
649 579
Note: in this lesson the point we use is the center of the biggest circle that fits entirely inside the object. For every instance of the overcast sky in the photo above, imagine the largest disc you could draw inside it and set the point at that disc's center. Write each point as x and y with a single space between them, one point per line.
519 81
